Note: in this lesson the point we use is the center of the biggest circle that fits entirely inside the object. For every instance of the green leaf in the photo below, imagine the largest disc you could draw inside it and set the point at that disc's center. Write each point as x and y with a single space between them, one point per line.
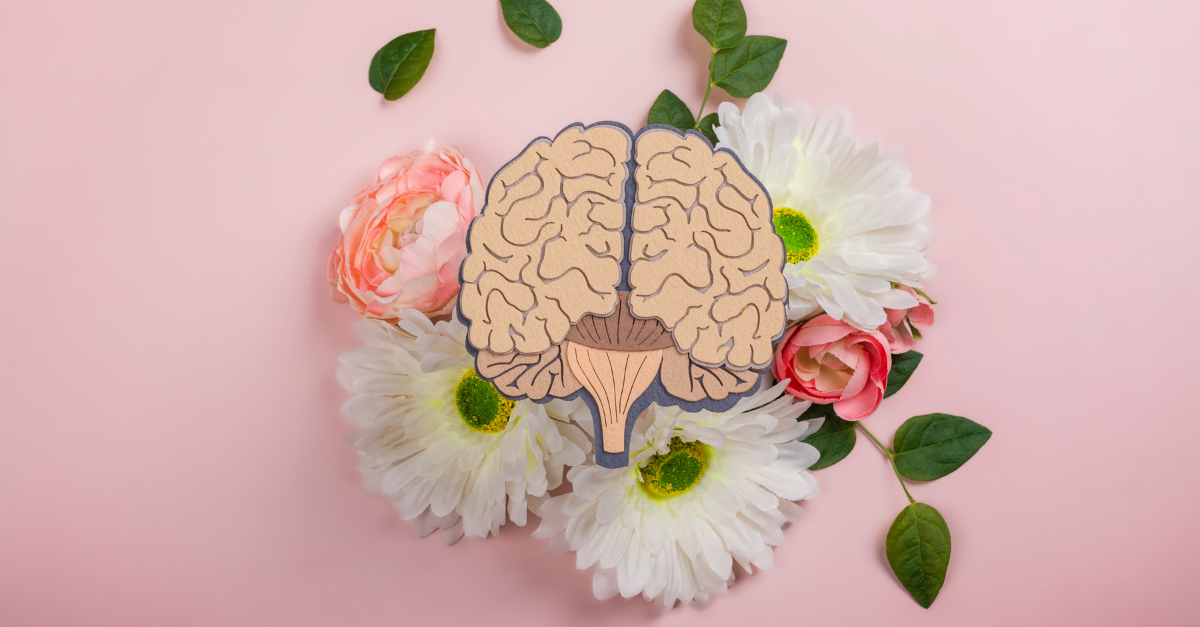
834 440
918 549
918 290
401 63
706 126
534 21
934 445
721 22
669 109
747 67
903 366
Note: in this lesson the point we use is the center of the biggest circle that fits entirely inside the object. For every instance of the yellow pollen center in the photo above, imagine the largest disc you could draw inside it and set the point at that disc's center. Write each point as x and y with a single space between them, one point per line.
798 234
480 405
676 471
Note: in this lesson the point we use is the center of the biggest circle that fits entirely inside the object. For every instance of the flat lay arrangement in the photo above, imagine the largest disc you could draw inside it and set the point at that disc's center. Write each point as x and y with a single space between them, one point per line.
544 313
683 322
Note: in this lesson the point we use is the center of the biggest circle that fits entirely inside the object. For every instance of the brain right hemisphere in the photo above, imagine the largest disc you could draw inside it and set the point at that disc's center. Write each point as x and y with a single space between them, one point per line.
547 249
705 257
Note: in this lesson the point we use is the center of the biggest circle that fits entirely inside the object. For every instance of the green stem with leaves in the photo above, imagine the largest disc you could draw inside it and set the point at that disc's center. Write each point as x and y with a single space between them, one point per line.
700 113
891 457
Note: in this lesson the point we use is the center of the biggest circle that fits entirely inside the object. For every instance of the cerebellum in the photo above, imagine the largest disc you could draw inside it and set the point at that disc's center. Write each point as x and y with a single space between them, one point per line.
536 376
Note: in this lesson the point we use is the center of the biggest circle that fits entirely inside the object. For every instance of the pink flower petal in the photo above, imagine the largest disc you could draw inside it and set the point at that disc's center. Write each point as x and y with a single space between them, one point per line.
862 374
860 405
418 291
403 236
418 259
899 338
454 184
846 352
440 221
831 382
389 168
822 330
921 316
389 287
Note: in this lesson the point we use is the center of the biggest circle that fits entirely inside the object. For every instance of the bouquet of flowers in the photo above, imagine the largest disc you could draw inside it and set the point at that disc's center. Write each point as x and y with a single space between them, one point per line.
463 448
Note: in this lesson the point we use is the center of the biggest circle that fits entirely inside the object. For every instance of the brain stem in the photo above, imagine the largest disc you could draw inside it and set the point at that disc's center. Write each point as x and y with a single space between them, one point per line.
615 380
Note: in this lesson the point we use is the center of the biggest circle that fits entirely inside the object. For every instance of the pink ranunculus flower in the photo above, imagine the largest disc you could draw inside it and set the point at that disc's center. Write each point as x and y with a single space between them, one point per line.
404 235
900 322
829 361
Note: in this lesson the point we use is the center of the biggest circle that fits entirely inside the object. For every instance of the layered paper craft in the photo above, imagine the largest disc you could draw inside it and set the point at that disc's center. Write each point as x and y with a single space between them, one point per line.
624 269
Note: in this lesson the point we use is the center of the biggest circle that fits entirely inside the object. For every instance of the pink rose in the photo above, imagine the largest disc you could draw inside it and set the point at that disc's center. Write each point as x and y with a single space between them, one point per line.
403 236
900 322
829 361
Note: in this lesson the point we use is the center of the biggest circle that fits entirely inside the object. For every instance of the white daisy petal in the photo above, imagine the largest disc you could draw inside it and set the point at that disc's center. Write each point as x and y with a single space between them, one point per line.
517 512
448 492
610 506
792 512
453 533
397 477
604 584
634 571
765 559
414 447
415 499
671 542
655 531
869 228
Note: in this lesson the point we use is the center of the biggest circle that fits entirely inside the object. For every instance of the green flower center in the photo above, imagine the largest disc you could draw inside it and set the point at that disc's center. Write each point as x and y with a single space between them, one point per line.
674 472
797 233
480 405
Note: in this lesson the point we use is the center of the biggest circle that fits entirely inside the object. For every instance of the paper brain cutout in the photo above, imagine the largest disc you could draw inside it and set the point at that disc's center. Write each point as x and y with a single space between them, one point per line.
624 269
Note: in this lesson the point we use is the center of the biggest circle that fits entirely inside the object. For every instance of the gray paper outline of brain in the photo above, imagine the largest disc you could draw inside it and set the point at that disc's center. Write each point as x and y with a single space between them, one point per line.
616 342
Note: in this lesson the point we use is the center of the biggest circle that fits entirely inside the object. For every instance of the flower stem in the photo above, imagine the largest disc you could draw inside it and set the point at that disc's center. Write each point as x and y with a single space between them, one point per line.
874 439
891 457
707 91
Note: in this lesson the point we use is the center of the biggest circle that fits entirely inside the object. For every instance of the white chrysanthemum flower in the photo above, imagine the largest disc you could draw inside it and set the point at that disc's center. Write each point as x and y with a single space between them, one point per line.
702 490
441 442
850 226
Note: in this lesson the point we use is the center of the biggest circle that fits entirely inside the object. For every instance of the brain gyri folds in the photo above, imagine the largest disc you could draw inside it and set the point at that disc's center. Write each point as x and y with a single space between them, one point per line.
665 288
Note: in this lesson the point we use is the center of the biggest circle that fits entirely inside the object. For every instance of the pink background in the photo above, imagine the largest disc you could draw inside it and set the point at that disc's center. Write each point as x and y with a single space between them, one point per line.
170 175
